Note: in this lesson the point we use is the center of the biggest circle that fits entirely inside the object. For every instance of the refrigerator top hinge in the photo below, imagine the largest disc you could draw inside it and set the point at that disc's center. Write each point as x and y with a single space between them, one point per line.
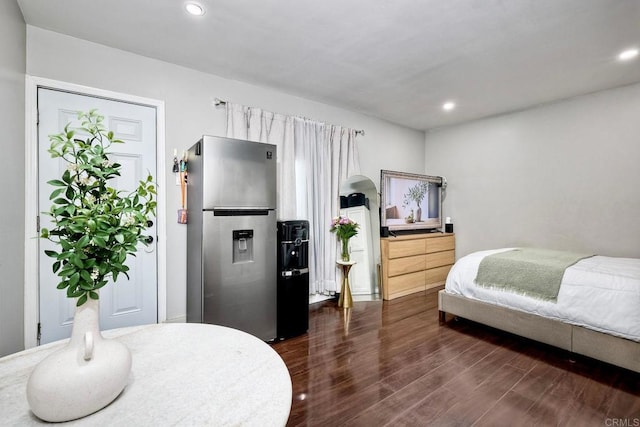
198 148
39 333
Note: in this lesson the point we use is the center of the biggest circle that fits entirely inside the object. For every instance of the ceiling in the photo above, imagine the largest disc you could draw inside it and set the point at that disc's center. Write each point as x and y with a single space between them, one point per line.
397 60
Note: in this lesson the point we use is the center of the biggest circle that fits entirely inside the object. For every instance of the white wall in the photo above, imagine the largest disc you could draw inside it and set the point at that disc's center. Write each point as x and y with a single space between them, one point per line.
563 176
188 97
12 67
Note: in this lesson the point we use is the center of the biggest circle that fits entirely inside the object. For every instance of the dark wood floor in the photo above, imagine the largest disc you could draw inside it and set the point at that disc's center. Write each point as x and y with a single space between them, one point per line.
393 364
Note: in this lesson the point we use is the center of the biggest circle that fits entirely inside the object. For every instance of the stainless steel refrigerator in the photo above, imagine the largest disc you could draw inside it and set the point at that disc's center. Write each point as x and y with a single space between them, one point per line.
231 235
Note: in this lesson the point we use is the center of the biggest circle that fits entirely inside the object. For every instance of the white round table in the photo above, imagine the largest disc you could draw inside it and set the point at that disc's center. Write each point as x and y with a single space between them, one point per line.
182 374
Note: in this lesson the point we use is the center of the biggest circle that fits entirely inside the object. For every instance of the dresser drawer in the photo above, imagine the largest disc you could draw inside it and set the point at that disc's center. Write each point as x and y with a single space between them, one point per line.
438 259
405 248
437 275
406 284
406 265
440 244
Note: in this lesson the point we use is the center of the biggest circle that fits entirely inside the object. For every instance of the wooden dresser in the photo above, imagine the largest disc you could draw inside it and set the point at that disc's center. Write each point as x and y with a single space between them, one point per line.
415 262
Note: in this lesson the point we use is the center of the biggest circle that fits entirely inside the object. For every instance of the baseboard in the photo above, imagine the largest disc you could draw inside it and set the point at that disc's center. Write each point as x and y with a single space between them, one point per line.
177 319
314 298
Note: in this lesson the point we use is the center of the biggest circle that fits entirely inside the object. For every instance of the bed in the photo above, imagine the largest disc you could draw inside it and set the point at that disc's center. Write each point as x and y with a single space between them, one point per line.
596 312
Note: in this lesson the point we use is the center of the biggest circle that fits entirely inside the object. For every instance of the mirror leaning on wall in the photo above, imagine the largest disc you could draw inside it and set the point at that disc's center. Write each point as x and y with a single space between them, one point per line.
365 246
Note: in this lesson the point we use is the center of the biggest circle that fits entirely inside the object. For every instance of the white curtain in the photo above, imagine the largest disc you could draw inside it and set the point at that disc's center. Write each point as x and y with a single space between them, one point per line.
314 158
254 124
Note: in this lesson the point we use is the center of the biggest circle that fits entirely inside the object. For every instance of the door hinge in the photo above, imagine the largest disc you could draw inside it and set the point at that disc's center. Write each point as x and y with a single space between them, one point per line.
39 335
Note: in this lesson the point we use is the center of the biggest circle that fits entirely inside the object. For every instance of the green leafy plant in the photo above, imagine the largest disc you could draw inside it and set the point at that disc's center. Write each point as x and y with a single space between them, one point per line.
95 226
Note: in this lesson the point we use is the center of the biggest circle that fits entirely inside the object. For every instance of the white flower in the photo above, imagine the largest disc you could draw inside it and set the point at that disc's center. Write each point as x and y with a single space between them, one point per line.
94 274
107 163
127 220
83 179
91 198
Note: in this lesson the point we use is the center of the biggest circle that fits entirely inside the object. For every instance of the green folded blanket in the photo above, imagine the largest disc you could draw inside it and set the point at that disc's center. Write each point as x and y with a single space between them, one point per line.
536 273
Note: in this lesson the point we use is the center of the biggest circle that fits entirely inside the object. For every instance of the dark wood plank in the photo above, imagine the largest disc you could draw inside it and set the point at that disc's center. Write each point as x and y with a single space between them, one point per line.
395 405
473 403
394 364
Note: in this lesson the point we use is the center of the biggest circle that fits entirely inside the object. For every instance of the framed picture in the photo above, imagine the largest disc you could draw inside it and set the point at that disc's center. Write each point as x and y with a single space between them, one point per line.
410 201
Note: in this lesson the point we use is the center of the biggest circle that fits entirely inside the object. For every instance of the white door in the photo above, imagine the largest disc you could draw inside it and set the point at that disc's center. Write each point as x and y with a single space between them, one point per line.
127 302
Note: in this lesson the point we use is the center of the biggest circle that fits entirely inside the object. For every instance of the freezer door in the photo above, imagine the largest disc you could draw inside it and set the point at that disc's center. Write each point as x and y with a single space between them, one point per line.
239 266
238 173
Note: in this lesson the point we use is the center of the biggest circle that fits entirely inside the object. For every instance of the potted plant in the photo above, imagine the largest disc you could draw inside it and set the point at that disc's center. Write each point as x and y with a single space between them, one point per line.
95 229
416 194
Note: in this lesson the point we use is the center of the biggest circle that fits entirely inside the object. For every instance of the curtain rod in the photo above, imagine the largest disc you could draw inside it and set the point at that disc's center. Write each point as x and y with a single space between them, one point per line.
218 102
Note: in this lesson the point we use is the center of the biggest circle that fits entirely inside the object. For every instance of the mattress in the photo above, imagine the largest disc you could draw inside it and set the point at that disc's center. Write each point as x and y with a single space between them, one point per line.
599 293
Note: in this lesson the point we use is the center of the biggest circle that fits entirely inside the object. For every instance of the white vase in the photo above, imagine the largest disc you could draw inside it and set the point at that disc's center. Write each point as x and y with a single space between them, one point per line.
84 376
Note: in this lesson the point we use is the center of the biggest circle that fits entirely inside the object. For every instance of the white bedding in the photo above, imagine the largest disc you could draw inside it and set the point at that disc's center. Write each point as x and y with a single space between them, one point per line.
599 293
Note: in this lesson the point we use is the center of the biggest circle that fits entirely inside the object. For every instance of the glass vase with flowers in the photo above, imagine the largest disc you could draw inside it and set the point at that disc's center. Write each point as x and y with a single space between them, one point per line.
345 229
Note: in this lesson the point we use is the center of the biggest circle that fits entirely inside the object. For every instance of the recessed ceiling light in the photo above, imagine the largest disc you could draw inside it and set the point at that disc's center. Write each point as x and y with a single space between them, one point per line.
628 54
448 106
195 9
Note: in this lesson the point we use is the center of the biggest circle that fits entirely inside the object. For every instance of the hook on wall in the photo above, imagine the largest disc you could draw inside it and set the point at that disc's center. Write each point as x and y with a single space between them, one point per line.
176 166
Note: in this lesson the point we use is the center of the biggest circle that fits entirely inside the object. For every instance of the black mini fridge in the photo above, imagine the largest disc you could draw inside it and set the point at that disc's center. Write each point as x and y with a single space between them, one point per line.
293 278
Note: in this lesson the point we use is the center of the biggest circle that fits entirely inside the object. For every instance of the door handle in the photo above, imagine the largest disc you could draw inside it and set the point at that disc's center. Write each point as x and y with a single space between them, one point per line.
150 247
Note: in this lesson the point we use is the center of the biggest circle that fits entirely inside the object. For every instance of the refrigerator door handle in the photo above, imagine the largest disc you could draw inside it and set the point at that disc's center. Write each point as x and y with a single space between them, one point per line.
240 212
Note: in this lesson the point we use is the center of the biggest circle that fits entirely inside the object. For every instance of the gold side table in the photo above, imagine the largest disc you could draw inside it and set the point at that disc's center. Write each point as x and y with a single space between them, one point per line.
345 299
